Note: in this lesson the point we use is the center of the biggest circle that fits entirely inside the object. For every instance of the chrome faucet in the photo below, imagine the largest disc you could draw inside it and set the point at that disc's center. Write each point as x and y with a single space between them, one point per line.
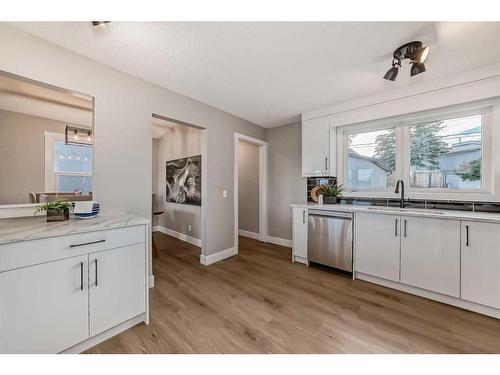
402 201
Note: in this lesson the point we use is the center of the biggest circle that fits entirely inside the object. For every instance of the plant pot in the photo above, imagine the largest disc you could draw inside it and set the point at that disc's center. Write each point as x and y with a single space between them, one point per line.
330 200
57 215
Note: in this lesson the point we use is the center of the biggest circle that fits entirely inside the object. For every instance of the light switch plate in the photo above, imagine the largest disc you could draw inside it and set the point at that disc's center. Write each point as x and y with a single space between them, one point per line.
224 194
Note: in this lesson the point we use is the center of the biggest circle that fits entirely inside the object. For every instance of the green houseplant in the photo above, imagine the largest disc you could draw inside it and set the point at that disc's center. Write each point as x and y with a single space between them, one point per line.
331 192
56 210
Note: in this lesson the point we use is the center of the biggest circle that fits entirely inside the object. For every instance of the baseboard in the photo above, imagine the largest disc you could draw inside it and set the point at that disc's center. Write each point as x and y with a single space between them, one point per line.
246 233
279 241
457 302
180 236
217 257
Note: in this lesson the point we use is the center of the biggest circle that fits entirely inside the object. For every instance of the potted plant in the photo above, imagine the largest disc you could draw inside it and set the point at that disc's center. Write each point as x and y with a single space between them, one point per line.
56 210
331 192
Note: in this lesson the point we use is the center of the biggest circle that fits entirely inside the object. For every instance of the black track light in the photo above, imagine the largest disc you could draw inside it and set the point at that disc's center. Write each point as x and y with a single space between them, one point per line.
413 51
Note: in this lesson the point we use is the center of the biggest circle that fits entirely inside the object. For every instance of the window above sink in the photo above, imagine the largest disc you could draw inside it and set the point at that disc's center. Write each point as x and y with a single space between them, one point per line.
441 154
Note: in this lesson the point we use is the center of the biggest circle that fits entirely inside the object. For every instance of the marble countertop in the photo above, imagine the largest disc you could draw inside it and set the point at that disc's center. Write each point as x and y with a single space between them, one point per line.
431 213
33 228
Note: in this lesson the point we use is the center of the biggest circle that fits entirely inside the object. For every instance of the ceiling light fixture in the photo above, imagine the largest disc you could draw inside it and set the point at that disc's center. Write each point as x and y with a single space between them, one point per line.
413 51
100 24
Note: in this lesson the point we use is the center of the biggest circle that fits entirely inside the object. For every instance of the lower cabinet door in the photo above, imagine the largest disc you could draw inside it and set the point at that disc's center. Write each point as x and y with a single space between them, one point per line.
430 254
117 287
481 263
376 243
299 234
44 308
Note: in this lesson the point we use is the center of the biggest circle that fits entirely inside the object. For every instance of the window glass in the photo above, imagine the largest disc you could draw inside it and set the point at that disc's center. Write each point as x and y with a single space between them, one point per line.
71 158
446 153
74 183
371 159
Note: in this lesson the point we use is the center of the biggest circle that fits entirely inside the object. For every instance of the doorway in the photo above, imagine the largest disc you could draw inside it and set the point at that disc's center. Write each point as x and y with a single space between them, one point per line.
179 180
249 144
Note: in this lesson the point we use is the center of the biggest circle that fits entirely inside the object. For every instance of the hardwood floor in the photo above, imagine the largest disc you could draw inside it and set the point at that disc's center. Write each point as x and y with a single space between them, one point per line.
261 302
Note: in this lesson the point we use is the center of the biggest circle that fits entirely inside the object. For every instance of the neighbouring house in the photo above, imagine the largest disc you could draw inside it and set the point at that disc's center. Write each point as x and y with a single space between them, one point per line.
367 172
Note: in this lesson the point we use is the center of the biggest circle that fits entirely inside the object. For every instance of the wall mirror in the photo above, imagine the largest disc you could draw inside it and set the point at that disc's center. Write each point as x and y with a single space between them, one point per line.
46 142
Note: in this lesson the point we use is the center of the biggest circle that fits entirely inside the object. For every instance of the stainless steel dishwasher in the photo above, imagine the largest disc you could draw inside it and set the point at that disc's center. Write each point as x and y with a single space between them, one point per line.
330 239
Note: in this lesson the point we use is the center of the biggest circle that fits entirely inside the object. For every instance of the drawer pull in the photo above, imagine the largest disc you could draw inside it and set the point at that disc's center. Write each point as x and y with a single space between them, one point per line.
87 243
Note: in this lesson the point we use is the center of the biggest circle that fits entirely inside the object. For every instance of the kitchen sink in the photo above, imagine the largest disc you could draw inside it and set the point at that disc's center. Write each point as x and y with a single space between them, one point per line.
406 210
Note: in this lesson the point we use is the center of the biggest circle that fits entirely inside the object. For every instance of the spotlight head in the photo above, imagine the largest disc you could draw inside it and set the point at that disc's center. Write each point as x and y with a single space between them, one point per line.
421 54
417 68
392 73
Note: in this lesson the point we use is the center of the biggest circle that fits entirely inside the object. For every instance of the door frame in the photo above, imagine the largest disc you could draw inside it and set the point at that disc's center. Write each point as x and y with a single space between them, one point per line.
263 181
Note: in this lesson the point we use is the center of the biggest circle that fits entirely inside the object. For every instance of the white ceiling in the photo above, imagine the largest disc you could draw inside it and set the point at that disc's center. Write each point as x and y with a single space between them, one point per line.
269 73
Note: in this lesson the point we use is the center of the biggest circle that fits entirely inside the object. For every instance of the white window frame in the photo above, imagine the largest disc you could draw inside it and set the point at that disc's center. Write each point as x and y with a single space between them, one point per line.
51 176
402 170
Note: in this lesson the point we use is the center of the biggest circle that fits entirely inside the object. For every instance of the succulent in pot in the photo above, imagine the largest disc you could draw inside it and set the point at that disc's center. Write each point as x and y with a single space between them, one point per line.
331 192
56 210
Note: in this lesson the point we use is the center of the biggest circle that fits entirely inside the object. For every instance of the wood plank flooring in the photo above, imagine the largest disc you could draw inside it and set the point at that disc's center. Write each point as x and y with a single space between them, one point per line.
261 302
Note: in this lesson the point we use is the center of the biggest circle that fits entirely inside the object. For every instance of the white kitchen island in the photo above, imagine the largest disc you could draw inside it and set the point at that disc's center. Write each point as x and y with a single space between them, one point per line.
67 286
449 256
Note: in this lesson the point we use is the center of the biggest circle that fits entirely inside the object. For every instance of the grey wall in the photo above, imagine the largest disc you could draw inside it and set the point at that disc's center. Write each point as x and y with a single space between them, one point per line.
248 187
286 186
178 142
123 147
22 155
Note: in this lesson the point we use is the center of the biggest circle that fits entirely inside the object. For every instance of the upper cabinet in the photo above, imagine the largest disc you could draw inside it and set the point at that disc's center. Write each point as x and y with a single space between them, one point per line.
318 147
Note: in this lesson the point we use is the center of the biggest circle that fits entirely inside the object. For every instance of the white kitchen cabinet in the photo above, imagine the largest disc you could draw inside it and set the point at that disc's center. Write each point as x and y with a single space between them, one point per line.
430 254
117 284
480 251
299 235
316 155
44 308
376 243
49 302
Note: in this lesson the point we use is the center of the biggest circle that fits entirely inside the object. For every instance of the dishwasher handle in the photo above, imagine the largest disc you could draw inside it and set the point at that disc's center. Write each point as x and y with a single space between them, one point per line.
335 215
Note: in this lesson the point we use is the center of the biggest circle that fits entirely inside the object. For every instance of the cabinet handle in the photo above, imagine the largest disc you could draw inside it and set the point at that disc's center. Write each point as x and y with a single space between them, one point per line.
87 243
81 275
326 163
405 229
95 271
303 216
466 235
396 228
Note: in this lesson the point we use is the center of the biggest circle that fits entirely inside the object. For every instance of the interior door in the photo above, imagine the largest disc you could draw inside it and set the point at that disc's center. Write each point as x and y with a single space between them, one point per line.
430 254
117 287
377 245
481 263
44 308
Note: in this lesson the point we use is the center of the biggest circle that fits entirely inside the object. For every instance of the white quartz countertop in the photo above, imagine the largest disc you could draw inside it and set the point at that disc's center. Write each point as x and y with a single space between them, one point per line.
431 213
34 228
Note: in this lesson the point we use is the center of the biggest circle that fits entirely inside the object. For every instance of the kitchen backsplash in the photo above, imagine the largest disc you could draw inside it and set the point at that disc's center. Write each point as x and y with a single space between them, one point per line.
410 203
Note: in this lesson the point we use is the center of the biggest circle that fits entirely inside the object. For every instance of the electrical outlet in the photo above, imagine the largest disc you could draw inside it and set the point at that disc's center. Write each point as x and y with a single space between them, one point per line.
189 228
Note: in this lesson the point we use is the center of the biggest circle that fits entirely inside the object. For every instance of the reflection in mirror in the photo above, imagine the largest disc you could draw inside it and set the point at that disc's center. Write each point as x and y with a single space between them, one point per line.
46 142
